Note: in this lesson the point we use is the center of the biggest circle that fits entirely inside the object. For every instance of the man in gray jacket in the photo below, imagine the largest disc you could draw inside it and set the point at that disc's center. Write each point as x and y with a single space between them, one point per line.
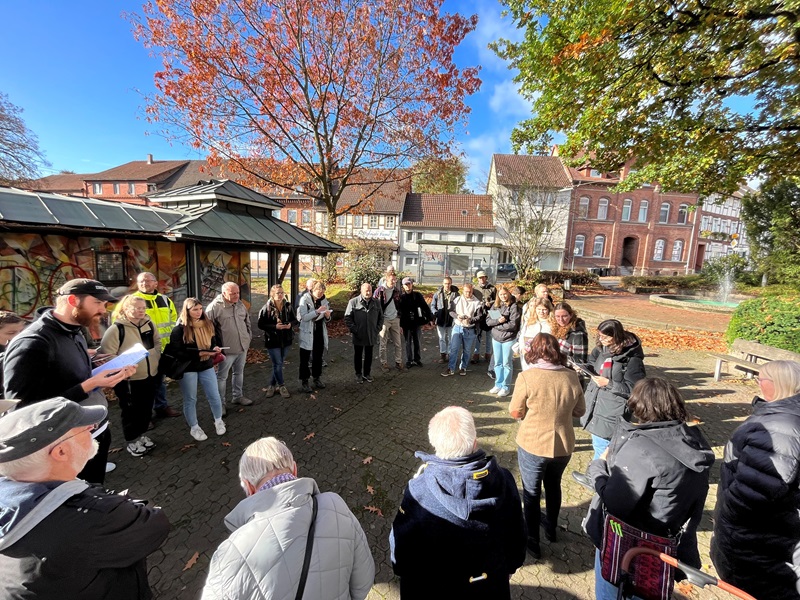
364 319
232 322
264 556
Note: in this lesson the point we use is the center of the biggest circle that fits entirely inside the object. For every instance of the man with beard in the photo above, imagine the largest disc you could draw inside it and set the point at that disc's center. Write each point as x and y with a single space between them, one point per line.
50 359
62 537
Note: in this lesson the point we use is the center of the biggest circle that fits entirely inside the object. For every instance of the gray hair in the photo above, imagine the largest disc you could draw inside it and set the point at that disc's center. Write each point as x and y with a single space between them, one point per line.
785 376
263 457
33 467
452 433
229 285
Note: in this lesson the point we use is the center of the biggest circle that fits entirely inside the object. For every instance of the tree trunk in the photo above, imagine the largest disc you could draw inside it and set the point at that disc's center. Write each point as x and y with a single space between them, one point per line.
329 270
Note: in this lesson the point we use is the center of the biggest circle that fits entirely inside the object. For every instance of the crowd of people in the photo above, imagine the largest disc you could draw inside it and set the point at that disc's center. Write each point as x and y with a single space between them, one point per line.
462 527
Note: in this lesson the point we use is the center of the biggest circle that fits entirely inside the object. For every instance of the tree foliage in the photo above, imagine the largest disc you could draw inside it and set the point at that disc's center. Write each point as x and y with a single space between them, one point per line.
20 156
440 176
772 221
322 94
701 93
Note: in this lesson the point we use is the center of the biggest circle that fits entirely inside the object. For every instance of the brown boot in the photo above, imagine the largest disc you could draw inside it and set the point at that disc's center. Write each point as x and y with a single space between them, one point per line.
476 358
443 359
488 357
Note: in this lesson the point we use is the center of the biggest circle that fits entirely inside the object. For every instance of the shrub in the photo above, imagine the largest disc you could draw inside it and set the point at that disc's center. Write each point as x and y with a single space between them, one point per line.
714 269
771 320
577 277
689 282
367 268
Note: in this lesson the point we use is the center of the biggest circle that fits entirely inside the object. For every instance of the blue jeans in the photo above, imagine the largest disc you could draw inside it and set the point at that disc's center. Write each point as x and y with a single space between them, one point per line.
444 338
277 356
484 341
463 338
604 590
235 363
503 363
188 385
161 395
535 472
599 444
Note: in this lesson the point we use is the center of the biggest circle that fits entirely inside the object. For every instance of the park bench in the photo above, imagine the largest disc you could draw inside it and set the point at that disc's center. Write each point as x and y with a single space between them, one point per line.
755 355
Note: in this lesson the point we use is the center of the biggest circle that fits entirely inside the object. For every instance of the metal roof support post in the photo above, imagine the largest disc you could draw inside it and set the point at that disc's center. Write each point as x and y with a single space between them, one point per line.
295 284
193 271
272 266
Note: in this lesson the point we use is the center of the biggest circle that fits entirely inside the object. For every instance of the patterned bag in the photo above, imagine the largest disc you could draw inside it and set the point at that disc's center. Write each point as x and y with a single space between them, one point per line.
649 578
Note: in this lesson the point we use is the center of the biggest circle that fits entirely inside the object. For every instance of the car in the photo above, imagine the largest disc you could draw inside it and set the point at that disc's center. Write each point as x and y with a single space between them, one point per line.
506 271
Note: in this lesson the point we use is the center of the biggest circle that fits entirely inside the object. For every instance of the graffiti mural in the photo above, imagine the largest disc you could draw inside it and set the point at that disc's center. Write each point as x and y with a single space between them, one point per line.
219 266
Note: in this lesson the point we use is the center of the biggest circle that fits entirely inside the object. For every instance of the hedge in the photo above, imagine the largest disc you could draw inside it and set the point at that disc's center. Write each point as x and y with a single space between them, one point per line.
773 320
688 282
577 277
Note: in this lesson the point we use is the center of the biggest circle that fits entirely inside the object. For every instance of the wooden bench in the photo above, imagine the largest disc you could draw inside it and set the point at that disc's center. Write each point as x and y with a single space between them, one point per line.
755 355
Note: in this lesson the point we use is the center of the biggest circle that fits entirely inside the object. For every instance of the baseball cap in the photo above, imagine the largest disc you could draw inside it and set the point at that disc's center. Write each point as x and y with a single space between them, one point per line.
480 274
407 280
88 287
36 426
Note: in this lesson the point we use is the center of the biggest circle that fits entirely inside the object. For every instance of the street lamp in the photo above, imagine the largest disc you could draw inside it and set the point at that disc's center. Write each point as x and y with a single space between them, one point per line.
574 252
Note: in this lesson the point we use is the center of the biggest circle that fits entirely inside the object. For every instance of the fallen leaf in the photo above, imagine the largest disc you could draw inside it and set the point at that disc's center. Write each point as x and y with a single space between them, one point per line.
367 460
393 392
309 436
263 389
226 444
371 490
114 450
684 587
192 561
470 401
187 446
336 408
312 397
240 410
372 509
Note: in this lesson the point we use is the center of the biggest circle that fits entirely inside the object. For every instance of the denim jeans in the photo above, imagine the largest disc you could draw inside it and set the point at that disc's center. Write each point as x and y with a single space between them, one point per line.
188 385
277 356
161 394
604 590
483 341
235 363
445 333
599 444
463 339
535 472
503 363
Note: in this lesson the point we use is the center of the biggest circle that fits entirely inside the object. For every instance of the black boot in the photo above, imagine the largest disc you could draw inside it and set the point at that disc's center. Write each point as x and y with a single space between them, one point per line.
319 384
305 387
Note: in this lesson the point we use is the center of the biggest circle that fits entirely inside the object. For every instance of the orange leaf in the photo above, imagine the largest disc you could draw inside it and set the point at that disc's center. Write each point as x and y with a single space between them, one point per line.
309 436
191 561
371 490
226 444
336 408
187 446
367 460
392 392
684 587
374 509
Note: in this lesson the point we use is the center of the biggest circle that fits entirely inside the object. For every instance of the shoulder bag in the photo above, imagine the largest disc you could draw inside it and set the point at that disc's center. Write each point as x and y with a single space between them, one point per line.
170 365
301 586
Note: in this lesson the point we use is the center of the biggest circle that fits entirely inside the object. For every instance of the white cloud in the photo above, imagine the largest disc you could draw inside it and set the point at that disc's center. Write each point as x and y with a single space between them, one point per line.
479 150
507 101
491 27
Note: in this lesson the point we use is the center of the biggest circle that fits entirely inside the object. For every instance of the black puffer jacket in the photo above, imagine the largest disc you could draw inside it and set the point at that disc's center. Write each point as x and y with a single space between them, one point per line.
507 331
268 318
756 543
605 405
656 479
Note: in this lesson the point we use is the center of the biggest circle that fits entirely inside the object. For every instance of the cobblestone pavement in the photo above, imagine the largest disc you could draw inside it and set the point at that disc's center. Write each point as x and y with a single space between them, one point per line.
351 436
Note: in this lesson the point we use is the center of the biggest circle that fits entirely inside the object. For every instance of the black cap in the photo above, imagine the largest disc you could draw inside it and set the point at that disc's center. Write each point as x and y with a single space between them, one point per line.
88 287
36 426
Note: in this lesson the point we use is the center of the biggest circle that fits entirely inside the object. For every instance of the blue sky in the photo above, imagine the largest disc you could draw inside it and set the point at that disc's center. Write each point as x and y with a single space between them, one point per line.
80 77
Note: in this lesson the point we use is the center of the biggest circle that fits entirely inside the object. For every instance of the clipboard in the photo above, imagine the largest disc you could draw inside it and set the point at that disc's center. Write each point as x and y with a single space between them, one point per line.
495 314
132 356
582 368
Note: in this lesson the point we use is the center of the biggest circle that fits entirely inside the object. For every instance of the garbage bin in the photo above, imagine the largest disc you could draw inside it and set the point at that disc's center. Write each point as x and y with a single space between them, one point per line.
605 272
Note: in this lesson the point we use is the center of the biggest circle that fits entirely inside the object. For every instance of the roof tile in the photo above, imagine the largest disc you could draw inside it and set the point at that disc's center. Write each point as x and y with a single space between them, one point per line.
539 171
448 211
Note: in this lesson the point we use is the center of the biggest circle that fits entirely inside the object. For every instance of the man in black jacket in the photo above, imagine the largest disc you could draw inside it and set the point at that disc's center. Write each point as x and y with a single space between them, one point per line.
50 359
62 537
414 313
364 319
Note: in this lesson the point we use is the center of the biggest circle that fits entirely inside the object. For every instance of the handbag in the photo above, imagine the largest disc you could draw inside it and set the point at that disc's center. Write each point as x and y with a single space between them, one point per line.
218 358
170 365
649 578
301 586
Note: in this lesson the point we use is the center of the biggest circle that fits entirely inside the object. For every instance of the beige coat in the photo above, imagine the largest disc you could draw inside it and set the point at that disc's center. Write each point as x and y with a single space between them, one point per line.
546 401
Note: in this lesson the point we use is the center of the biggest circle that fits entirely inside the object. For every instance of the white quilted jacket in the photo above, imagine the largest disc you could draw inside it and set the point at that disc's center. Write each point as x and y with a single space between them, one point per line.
263 557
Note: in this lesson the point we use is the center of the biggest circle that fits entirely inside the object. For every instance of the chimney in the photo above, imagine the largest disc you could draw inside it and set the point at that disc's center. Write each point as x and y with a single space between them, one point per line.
149 159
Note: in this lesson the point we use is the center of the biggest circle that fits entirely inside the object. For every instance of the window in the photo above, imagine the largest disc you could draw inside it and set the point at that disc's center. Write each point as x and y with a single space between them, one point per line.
599 245
390 219
469 237
705 223
726 226
291 216
97 188
131 189
683 214
341 221
658 253
643 211
663 216
409 236
151 187
111 268
580 241
306 217
411 261
276 213
626 209
583 208
480 238
595 173
358 222
373 221
115 187
717 224
420 236
442 237
677 250
602 209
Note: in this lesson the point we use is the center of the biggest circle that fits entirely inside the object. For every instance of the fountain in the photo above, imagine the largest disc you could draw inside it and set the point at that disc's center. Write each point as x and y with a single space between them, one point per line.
723 303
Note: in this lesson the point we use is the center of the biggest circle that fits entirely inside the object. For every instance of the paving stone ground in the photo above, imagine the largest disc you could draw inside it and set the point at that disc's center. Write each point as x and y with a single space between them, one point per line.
350 436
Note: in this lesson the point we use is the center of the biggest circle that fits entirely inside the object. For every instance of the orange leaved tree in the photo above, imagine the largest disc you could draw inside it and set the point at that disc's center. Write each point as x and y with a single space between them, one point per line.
320 94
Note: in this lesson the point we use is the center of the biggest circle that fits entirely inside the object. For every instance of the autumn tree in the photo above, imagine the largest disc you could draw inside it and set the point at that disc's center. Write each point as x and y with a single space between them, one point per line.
702 93
440 176
772 221
322 94
532 222
20 156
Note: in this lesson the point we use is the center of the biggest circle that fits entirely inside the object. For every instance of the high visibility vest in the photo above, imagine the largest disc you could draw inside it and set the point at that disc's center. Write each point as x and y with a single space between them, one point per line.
161 311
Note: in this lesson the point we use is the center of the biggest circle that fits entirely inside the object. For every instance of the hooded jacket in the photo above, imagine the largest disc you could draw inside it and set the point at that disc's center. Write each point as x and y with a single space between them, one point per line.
145 333
364 319
756 541
605 405
655 478
459 519
263 557
92 547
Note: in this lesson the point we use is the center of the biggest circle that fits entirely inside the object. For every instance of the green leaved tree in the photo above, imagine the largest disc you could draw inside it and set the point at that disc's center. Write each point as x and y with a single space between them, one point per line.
700 93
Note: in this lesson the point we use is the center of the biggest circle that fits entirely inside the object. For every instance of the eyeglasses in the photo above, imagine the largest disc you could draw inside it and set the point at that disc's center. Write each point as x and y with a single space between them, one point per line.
90 429
760 379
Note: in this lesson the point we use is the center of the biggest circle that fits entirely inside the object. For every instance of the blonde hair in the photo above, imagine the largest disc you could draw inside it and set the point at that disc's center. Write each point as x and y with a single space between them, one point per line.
127 302
785 376
278 304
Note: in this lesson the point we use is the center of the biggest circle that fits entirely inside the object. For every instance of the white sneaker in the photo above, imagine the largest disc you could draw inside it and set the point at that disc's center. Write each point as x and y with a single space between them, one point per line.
495 389
198 433
147 442
110 467
219 425
137 448
503 393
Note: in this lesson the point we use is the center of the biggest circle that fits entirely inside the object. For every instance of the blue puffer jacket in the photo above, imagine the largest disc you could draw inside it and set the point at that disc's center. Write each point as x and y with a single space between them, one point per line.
756 543
459 519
